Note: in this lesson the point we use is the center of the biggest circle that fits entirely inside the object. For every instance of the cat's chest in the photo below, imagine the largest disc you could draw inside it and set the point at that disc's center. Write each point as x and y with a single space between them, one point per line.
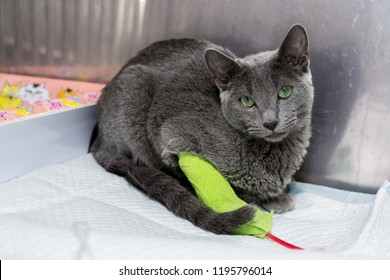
263 168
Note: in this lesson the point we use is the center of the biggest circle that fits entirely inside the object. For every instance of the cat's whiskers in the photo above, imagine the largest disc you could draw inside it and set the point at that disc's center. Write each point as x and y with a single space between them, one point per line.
321 129
323 114
248 137
320 119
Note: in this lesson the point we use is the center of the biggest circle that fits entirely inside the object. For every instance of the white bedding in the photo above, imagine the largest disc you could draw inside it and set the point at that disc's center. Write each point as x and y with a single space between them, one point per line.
77 210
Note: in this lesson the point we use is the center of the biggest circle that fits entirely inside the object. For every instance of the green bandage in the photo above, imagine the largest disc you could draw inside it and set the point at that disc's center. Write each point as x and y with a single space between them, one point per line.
213 189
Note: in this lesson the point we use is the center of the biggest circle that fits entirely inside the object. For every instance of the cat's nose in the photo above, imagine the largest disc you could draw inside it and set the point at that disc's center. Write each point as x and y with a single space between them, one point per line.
271 124
270 119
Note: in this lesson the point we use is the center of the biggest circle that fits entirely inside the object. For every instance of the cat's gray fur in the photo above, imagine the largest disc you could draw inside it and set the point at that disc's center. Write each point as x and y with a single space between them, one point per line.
182 96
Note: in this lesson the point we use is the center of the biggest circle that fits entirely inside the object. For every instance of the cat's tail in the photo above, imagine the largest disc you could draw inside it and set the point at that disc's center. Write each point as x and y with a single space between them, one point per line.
174 196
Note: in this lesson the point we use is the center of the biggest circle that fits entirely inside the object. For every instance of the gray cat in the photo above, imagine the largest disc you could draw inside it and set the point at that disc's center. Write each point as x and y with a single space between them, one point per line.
250 117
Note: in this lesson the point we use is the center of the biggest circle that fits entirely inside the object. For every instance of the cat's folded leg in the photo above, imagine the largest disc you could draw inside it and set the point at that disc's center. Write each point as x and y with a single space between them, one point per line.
169 152
176 146
174 196
281 204
178 137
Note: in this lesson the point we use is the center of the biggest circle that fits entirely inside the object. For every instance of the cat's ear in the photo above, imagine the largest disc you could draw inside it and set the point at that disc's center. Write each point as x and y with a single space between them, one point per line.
222 67
294 50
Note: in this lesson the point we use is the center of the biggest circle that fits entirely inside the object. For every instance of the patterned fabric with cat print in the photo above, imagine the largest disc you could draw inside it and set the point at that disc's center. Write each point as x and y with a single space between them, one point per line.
22 96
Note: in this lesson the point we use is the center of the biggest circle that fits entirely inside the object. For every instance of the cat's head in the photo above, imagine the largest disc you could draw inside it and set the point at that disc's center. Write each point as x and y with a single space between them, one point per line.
267 95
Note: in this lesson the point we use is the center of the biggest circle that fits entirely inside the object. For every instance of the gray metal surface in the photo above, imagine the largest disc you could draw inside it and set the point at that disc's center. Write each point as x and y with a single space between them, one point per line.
350 43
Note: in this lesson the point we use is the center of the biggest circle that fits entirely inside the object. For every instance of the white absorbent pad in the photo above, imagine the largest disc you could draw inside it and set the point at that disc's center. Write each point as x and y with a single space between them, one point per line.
76 210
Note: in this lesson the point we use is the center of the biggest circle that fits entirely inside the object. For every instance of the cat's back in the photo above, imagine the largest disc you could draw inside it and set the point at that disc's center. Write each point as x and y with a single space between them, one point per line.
172 53
176 63
167 77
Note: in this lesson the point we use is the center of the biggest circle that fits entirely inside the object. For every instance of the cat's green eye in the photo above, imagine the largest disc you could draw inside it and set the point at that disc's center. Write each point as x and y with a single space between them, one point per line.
285 91
247 101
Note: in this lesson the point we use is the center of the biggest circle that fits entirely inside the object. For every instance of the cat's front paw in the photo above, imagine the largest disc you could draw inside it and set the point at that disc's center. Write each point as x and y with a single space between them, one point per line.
282 204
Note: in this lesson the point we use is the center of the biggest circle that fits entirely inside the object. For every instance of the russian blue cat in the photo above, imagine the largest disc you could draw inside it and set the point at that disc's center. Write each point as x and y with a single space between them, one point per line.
250 117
